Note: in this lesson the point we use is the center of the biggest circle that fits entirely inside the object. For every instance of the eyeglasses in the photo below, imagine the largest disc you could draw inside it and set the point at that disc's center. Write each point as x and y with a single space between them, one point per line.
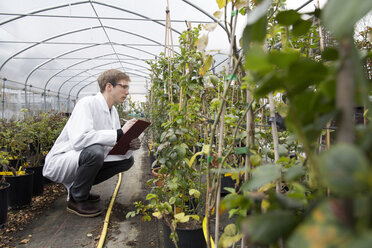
125 87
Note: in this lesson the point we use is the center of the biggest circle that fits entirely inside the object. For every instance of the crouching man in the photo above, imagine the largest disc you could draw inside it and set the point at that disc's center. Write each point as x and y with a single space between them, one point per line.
79 157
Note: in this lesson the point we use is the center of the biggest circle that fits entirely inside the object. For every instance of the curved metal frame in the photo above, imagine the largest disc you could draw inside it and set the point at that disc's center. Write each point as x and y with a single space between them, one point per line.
60 87
205 13
86 2
80 62
72 32
81 30
69 93
72 51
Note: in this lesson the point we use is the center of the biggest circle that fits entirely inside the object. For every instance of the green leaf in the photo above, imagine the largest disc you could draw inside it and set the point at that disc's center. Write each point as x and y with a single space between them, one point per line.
255 160
363 241
314 71
222 3
301 27
181 217
270 83
283 59
340 16
151 196
256 59
283 151
269 227
330 54
232 77
288 17
241 150
172 200
194 192
254 32
294 173
323 228
262 175
344 169
230 229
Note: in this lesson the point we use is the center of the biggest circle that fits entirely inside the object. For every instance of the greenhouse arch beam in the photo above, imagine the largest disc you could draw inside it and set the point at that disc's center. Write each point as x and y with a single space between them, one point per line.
80 62
93 75
85 2
77 95
135 13
68 33
76 50
110 63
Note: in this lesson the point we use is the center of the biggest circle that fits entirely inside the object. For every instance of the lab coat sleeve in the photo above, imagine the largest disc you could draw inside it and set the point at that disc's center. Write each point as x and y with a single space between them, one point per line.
80 129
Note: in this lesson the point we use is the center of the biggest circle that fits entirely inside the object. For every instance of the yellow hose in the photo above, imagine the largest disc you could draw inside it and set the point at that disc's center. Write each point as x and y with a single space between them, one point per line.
205 232
108 213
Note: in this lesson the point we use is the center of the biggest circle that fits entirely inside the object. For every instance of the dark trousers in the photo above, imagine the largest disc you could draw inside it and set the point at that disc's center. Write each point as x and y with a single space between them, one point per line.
93 170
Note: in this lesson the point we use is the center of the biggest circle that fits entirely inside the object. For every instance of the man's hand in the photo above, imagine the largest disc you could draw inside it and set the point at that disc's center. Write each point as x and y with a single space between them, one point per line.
135 144
128 125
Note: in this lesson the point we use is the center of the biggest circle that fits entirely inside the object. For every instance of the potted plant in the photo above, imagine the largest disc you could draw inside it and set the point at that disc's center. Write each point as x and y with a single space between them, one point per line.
42 130
14 146
4 191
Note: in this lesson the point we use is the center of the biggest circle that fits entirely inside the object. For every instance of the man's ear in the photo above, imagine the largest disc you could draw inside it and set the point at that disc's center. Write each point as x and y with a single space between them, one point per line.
108 87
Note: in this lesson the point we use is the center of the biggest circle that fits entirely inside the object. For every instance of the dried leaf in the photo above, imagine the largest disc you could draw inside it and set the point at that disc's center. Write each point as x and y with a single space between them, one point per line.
217 14
210 27
202 43
24 241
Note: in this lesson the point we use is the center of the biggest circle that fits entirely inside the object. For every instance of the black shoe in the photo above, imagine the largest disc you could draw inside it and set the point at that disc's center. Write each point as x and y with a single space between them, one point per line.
94 197
83 209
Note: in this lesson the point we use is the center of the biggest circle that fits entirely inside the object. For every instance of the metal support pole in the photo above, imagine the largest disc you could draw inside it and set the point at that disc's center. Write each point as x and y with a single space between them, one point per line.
58 108
2 115
45 100
26 103
68 104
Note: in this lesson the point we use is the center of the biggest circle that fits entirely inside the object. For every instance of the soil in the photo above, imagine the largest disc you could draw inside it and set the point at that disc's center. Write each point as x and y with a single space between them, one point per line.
149 232
19 219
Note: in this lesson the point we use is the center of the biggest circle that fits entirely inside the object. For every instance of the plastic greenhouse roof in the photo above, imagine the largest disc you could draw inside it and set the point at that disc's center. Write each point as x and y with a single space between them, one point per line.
60 47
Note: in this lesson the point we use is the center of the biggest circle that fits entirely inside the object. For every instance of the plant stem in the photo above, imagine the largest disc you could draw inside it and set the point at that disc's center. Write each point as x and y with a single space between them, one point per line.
275 136
222 131
211 136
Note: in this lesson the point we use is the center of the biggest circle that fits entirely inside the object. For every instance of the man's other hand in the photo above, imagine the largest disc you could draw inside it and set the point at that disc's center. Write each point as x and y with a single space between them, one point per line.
135 144
128 125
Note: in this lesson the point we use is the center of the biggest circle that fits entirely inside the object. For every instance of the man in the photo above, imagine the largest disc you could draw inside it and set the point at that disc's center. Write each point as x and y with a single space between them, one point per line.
79 157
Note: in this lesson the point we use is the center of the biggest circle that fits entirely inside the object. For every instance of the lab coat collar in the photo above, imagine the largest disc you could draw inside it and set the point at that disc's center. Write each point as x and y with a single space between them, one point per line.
103 102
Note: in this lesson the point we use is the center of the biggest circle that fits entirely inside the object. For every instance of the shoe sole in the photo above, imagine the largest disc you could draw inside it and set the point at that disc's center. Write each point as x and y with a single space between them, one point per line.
83 215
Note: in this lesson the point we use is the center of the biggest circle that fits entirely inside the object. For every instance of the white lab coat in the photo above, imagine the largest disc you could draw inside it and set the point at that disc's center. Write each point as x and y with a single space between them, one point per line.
91 122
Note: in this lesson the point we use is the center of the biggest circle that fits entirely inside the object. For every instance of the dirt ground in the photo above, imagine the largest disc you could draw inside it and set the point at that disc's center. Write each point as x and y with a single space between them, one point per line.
149 232
18 220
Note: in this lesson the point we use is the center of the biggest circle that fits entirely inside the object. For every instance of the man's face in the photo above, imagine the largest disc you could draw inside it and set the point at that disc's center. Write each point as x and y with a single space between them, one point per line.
120 91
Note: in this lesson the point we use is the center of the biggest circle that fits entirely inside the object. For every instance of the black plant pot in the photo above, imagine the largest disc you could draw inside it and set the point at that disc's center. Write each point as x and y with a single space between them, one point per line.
38 187
4 192
227 182
187 238
20 191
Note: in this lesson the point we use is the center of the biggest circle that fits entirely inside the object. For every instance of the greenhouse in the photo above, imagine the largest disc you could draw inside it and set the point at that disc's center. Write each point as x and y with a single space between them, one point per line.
186 124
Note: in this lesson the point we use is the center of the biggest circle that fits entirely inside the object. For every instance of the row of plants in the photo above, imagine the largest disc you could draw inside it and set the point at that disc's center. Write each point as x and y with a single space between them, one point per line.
23 147
279 120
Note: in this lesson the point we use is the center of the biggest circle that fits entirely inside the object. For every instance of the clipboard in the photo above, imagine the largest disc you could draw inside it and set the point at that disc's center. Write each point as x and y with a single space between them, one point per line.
122 146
